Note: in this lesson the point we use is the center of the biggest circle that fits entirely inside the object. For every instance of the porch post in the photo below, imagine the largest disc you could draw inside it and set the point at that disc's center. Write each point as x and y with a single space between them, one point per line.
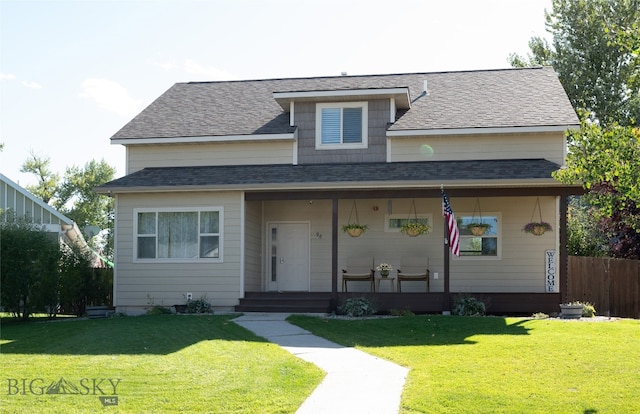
334 251
564 251
447 295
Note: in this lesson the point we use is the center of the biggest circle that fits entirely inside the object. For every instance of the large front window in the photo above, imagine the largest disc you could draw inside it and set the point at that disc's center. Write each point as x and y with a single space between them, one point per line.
179 235
342 125
482 240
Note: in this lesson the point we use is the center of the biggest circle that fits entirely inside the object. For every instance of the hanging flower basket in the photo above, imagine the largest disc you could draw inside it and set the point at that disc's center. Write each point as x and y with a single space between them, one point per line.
478 229
537 228
414 229
354 229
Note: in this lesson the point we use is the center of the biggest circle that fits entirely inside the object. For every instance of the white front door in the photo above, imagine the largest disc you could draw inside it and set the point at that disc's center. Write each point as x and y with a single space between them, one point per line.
288 266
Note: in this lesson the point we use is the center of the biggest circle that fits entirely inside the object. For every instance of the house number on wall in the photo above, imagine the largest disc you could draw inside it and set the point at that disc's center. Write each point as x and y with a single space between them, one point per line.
550 271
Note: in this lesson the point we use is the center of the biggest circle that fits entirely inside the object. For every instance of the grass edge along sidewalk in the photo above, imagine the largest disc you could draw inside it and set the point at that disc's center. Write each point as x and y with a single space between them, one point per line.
501 365
162 363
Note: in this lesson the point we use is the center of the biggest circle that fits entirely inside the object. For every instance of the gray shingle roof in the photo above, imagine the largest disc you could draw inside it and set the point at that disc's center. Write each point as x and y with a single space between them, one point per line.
529 97
304 176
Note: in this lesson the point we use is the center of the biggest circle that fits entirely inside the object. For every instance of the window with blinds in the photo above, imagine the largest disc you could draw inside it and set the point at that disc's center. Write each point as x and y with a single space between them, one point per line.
342 125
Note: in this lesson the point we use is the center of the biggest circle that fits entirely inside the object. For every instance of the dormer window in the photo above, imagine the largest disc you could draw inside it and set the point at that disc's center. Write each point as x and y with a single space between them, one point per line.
341 125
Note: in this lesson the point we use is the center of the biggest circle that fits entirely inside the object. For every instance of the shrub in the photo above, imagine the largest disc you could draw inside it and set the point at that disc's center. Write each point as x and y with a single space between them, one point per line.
588 310
159 310
540 315
469 306
358 307
401 312
199 305
29 277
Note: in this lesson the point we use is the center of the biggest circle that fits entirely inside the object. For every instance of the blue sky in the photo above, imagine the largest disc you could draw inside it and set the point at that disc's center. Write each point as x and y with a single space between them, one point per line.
72 73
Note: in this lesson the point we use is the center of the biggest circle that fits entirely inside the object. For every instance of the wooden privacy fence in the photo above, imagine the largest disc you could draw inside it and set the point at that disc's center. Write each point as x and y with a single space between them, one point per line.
612 285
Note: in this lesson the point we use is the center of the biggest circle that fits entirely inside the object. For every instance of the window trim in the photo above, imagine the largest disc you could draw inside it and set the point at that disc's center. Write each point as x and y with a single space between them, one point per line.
498 237
341 105
218 209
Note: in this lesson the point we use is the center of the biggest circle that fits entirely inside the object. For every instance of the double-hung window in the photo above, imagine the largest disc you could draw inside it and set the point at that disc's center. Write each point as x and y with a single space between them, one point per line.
179 234
341 125
485 241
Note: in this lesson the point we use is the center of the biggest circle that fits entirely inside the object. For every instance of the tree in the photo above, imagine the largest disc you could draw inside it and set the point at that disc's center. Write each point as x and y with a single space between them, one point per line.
77 200
584 237
606 162
596 53
48 181
541 54
74 196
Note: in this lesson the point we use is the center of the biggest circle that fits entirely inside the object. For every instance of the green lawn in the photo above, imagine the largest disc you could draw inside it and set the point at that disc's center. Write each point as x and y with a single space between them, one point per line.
502 365
153 364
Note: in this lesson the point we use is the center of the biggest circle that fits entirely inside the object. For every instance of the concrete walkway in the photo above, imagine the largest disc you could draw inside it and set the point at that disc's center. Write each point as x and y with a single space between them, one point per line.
356 382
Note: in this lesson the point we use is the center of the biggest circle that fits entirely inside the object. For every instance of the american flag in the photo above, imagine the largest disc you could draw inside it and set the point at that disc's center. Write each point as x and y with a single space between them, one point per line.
452 226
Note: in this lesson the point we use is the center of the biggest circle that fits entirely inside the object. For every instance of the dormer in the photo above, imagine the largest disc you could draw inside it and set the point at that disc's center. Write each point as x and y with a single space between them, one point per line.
342 114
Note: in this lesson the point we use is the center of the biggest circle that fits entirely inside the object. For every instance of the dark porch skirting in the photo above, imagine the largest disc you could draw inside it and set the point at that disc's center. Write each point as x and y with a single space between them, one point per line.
321 302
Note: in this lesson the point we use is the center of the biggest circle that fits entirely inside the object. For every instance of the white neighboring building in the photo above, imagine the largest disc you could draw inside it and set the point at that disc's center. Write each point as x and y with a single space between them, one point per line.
23 203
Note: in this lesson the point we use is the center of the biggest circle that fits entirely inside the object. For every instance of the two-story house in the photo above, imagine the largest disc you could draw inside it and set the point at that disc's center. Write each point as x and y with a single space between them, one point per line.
239 190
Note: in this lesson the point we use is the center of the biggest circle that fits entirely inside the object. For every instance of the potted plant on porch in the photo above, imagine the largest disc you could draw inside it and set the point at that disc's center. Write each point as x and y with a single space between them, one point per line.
384 269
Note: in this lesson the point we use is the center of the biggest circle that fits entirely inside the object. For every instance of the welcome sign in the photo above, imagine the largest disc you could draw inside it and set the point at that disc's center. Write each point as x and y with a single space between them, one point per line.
550 271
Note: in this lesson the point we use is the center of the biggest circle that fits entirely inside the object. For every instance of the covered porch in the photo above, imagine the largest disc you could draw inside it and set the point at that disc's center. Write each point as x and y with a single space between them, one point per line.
508 282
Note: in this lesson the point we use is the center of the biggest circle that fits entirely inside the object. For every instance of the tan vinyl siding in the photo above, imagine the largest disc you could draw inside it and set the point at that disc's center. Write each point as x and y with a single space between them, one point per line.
166 284
230 153
550 146
520 267
253 256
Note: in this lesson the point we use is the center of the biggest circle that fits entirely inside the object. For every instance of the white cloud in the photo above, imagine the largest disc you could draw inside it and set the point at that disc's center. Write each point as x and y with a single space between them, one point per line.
111 96
11 77
31 84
